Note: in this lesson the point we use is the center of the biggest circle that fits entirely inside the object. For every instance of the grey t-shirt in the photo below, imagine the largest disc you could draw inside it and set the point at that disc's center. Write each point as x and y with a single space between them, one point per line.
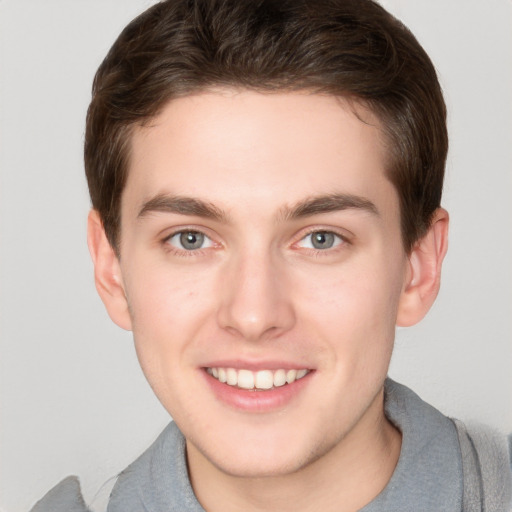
429 476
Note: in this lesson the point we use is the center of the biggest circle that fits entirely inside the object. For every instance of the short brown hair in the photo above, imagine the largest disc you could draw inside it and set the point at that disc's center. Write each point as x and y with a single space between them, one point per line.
349 48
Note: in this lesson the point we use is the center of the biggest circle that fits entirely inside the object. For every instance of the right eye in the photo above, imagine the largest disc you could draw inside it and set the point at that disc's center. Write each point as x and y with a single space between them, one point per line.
321 240
189 240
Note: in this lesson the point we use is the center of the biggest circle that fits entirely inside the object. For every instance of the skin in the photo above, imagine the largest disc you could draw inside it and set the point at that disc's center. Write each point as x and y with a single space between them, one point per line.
257 290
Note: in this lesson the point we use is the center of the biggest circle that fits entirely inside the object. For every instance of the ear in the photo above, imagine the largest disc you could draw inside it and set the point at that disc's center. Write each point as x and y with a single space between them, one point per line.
107 272
423 274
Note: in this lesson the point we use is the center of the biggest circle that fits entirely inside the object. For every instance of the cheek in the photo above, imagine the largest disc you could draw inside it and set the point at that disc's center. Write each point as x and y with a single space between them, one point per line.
355 306
161 295
167 308
362 290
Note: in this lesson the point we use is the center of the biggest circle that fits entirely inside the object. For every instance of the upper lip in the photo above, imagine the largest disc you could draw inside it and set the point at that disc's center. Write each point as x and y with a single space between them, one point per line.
255 366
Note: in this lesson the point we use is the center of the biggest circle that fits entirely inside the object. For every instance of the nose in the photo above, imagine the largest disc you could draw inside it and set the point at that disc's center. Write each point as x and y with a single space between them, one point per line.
256 302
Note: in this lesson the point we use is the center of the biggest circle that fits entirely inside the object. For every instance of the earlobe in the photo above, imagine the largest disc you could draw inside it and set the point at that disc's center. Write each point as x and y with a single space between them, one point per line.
423 276
107 272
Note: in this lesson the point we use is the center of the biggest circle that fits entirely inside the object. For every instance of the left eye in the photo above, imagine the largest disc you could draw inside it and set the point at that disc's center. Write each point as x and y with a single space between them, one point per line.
321 240
190 240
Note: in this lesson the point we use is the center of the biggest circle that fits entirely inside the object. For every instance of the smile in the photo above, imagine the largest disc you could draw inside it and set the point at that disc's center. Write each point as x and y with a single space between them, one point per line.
260 380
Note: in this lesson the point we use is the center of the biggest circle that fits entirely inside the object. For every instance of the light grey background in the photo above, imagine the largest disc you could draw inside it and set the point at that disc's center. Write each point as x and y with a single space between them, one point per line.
73 400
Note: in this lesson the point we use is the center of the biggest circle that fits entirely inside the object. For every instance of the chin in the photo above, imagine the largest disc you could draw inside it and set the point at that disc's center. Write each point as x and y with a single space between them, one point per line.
262 458
260 468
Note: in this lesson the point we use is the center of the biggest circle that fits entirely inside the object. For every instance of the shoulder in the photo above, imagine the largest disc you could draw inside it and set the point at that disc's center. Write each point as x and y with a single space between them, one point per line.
470 463
487 466
158 479
66 496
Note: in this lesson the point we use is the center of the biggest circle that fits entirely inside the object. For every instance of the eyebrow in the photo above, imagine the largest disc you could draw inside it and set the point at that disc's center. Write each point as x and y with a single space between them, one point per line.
328 203
308 207
166 203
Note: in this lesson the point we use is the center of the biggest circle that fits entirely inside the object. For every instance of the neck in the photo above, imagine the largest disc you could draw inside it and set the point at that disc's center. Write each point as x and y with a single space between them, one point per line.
345 479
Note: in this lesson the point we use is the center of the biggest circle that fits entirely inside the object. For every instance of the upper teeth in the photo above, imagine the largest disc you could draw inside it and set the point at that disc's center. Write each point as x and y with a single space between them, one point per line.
263 379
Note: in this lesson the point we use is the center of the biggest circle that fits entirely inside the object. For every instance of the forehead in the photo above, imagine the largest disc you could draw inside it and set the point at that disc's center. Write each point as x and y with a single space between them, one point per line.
270 148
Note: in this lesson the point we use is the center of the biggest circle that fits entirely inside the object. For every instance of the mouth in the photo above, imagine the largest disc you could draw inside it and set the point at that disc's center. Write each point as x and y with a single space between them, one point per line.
262 380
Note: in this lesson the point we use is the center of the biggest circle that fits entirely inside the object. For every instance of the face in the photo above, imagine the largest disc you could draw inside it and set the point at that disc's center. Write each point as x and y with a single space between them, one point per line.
262 264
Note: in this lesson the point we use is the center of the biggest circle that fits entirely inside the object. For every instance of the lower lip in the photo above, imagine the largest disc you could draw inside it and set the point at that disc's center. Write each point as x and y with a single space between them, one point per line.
257 400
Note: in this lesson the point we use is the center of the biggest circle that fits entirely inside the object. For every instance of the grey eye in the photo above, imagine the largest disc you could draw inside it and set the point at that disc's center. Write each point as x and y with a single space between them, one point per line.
189 240
321 240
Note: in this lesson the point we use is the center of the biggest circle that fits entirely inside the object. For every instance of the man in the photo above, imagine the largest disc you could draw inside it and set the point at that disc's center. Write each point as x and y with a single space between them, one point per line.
266 183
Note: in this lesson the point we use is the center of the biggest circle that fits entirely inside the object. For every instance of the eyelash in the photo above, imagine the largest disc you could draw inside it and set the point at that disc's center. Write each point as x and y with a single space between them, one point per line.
184 252
343 241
